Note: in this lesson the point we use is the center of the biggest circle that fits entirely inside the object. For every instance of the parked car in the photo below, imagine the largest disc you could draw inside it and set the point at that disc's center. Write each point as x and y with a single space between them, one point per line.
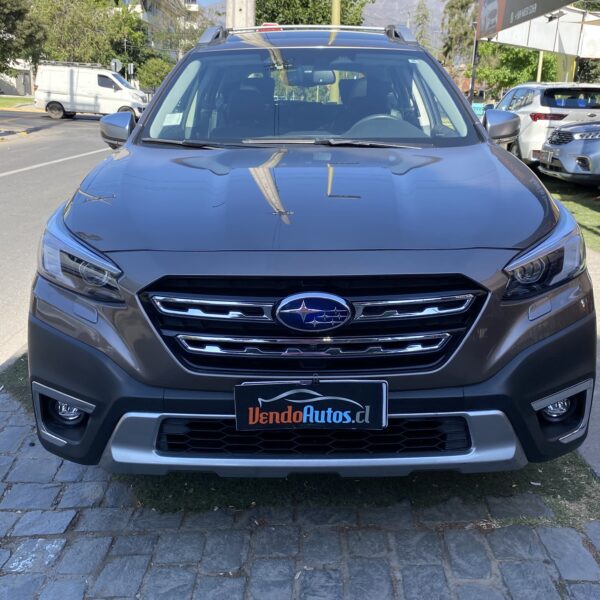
357 281
572 153
65 89
542 107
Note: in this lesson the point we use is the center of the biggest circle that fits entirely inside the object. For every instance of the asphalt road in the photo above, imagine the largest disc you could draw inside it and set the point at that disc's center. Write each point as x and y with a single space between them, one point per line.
38 171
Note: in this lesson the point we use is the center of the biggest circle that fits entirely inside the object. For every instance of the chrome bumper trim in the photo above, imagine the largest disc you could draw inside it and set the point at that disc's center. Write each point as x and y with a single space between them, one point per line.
495 447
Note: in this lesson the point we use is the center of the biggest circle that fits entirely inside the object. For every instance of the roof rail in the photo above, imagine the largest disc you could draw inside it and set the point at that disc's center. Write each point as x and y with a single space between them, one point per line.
400 33
272 27
66 63
212 34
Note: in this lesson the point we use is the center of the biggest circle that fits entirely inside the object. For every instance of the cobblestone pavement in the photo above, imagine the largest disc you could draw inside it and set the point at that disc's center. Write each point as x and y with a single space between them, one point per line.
69 532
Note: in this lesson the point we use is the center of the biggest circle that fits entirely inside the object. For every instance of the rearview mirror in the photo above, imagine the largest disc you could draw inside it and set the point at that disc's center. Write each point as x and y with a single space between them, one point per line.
308 77
116 128
502 126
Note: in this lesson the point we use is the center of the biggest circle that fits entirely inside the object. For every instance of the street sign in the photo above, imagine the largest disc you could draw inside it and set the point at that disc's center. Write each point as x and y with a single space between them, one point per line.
495 15
116 65
130 68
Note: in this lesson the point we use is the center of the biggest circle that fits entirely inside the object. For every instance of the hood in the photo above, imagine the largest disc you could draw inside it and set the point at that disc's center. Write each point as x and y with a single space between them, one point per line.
589 127
310 198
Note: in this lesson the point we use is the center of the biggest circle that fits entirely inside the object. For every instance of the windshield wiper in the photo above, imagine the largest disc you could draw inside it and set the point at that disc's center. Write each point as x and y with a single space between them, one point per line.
332 142
363 143
209 145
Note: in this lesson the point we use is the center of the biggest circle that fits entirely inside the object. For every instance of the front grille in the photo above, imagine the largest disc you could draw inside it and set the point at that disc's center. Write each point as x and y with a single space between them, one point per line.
397 323
558 137
210 437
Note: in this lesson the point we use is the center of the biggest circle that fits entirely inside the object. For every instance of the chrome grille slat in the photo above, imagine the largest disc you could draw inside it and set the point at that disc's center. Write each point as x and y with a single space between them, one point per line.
314 347
199 308
431 306
229 324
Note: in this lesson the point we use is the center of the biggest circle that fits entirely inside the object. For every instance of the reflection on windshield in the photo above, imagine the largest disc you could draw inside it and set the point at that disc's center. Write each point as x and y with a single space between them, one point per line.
312 94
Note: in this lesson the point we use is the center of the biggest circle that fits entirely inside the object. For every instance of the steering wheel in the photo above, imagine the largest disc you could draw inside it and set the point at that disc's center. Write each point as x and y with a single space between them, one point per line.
373 125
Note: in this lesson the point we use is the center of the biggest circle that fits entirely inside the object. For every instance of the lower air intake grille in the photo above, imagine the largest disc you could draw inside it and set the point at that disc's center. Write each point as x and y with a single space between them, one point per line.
219 437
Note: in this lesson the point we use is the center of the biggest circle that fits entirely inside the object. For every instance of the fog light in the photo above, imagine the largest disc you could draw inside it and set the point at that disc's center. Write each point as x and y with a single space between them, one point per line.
68 413
557 410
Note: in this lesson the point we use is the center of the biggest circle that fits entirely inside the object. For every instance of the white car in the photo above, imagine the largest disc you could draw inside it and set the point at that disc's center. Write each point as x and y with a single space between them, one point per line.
542 107
64 89
572 153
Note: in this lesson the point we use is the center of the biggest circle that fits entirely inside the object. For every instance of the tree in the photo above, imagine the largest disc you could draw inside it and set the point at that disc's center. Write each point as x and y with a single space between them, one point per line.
152 72
93 31
21 35
503 67
422 19
457 24
588 70
301 12
78 30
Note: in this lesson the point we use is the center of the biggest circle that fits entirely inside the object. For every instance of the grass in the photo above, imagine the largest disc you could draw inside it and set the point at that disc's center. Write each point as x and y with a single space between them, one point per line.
584 203
15 381
566 484
12 102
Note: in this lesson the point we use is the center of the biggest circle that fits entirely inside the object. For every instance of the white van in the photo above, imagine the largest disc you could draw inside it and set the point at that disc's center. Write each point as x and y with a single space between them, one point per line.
64 89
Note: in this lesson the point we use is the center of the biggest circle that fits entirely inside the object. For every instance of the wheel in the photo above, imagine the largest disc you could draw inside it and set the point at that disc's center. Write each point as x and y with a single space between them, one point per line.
129 110
515 151
55 110
69 115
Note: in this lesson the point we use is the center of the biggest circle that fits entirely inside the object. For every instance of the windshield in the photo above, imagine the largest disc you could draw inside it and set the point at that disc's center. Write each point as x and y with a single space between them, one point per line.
572 97
122 81
308 94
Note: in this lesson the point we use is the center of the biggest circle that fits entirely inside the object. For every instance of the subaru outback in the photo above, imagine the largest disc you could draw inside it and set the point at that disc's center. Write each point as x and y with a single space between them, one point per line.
310 256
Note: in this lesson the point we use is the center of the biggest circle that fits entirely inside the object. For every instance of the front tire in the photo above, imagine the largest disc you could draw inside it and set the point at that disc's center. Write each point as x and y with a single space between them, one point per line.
129 110
55 110
515 150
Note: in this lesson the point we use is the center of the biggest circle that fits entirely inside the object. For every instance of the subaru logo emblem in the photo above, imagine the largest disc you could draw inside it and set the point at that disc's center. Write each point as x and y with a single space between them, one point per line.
313 312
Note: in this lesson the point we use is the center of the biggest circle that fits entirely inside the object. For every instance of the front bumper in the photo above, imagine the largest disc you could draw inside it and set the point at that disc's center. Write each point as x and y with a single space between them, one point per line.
564 164
124 414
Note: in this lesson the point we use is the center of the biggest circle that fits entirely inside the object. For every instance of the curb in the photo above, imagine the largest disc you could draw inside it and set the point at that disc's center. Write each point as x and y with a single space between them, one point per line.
26 108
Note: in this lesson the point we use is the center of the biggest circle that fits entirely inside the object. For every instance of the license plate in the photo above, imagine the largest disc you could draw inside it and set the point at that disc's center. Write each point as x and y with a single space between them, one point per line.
546 157
344 404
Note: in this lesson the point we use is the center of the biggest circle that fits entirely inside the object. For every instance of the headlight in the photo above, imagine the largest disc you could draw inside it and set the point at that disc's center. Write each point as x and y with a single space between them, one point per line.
587 135
560 257
67 262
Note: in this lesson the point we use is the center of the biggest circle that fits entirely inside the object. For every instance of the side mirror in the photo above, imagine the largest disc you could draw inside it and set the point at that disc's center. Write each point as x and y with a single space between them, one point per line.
502 126
116 128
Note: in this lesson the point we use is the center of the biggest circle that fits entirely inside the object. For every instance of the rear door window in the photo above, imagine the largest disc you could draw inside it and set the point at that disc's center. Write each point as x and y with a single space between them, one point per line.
571 97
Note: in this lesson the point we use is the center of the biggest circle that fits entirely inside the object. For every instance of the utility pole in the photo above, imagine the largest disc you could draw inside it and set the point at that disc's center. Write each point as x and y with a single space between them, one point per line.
473 65
540 66
240 13
336 19
336 12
